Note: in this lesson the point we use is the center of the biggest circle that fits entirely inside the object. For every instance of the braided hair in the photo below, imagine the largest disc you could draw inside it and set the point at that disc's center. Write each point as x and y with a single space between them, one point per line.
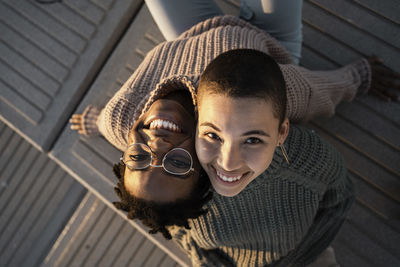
158 216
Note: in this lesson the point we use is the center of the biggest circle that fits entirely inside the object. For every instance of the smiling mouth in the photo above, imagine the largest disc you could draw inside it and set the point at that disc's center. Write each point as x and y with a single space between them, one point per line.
165 125
228 178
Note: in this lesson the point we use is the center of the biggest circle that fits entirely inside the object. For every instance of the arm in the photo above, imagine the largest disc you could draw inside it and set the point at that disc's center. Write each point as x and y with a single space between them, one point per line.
199 256
332 211
313 94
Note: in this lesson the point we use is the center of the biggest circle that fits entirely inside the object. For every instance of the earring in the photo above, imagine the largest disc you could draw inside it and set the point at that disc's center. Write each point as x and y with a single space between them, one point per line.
284 153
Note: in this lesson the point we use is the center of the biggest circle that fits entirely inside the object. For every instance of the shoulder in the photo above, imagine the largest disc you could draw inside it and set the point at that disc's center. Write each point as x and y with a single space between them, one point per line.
312 156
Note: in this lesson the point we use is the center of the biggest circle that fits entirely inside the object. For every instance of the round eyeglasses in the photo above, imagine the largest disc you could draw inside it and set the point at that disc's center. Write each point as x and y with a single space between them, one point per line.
177 161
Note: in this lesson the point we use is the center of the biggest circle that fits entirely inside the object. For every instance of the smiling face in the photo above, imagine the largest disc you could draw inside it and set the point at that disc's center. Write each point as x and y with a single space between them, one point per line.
166 125
236 139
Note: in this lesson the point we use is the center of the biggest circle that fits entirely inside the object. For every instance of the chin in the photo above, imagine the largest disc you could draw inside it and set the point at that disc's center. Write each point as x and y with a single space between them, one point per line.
225 191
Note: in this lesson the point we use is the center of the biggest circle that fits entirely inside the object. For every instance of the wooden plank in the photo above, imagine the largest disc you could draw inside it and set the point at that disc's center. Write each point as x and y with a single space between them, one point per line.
21 183
80 236
388 9
371 23
87 9
376 199
104 4
105 241
360 140
58 49
328 48
54 226
93 237
48 24
364 167
168 262
34 53
362 243
130 249
13 214
12 165
348 34
24 88
36 199
142 254
388 110
69 18
74 228
155 258
116 246
8 142
372 122
26 232
53 48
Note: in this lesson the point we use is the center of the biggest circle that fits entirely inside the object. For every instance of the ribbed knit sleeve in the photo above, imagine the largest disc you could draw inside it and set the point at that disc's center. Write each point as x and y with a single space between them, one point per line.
331 214
313 94
199 256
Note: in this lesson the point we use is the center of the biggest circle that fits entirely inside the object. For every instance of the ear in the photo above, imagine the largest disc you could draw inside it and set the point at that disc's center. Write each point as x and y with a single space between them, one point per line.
284 131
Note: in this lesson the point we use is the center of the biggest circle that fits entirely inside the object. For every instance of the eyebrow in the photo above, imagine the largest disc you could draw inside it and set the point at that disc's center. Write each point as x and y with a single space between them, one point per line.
253 132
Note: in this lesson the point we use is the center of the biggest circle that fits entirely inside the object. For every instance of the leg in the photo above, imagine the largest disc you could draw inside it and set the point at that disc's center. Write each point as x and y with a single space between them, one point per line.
176 16
280 18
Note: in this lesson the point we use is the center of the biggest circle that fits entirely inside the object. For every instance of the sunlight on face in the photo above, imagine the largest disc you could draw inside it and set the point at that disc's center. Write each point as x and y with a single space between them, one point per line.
236 140
175 130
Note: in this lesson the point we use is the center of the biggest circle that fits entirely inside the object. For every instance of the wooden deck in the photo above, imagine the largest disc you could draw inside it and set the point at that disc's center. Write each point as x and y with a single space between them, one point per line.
55 206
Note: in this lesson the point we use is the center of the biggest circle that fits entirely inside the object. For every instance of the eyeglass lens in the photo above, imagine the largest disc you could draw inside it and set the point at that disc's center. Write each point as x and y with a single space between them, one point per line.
177 161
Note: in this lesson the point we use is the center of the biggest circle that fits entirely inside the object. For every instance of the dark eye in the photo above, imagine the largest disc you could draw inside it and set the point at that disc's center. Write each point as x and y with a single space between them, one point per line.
213 136
183 164
139 157
253 141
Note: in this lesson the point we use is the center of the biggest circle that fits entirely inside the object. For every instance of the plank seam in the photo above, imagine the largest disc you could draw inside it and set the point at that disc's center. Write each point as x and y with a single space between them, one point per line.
84 16
44 30
358 150
37 46
28 209
61 22
346 21
41 210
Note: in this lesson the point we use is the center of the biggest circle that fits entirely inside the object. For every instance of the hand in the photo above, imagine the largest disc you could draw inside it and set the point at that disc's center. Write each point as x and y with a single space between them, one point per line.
384 79
76 123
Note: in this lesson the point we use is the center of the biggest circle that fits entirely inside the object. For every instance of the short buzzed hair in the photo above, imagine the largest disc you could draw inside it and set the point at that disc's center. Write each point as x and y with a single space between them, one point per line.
246 73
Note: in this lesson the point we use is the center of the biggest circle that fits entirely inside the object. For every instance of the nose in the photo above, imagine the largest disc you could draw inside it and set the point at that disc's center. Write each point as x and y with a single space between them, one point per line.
160 147
230 158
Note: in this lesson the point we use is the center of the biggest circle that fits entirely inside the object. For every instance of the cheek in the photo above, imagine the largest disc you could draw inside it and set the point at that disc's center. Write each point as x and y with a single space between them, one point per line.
205 150
258 161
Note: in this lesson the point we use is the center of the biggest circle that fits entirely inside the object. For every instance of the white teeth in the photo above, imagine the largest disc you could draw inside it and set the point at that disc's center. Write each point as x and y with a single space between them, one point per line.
228 179
163 124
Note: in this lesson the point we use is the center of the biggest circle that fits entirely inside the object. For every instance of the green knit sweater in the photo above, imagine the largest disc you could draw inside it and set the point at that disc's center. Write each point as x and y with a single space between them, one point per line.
285 217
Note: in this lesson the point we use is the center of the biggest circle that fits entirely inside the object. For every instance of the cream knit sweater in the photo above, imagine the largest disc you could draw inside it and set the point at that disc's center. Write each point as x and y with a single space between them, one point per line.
178 64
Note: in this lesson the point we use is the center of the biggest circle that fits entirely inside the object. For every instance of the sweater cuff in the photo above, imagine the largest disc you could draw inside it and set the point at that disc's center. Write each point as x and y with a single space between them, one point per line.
363 69
89 121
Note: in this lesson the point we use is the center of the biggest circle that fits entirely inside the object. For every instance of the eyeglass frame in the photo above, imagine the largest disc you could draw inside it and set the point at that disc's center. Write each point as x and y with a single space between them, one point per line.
162 164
